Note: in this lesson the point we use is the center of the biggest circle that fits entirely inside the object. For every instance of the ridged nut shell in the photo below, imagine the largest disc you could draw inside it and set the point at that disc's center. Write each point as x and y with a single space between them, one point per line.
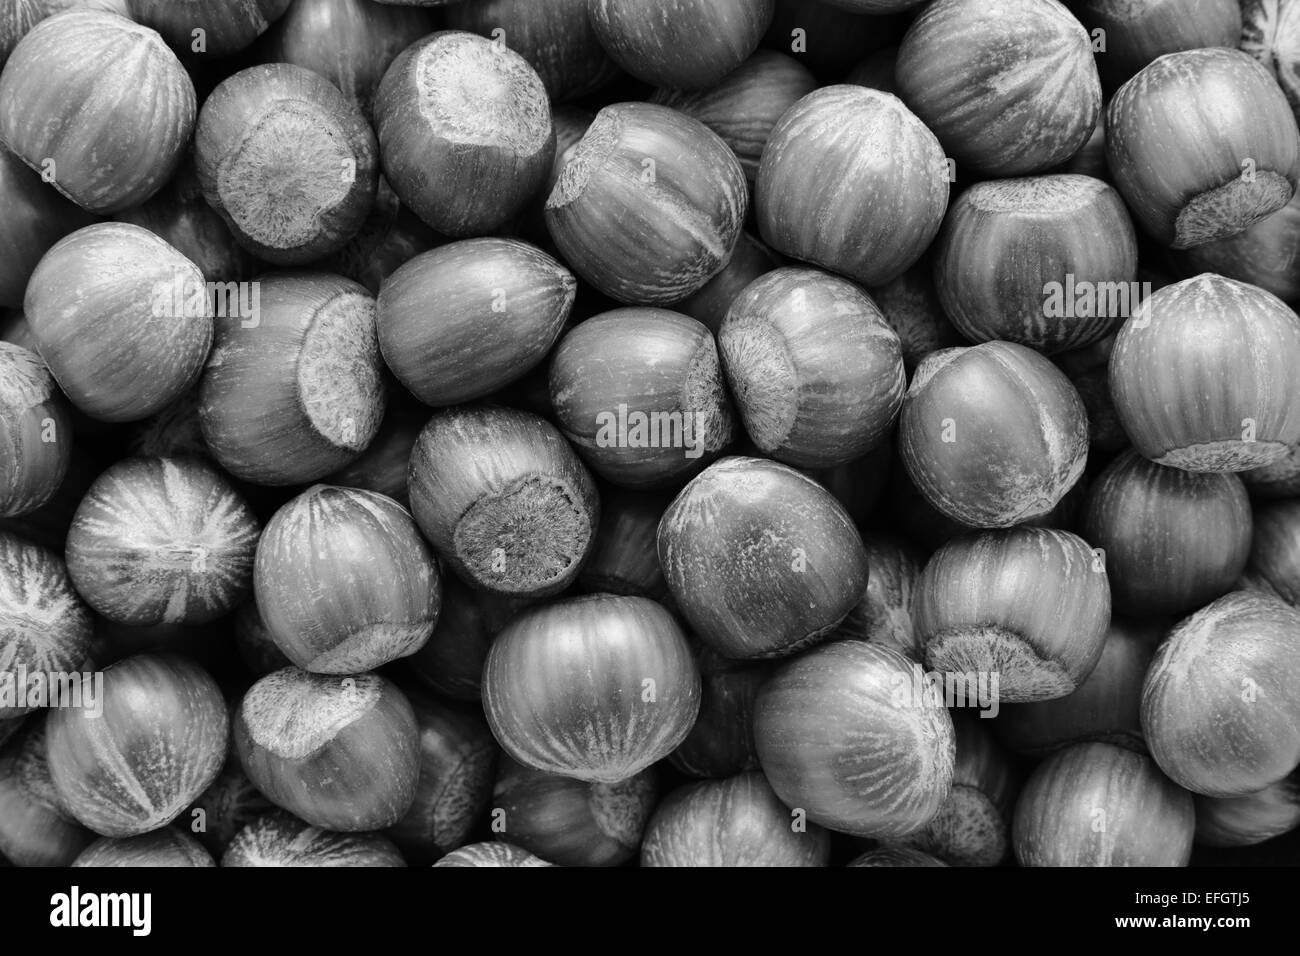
104 100
1202 144
121 318
162 541
466 319
282 840
344 582
1203 377
761 560
1009 86
816 370
1029 606
1046 261
992 435
1100 805
596 688
852 181
1174 540
341 753
736 822
1219 707
158 744
465 132
35 432
640 394
650 205
842 736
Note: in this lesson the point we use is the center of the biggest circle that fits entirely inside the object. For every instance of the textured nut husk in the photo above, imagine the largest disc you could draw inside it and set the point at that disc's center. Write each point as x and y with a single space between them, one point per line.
571 124
105 100
1222 108
650 205
1006 242
1219 708
761 560
841 735
1010 87
158 744
1202 376
468 318
162 541
852 181
595 688
683 44
968 830
1095 804
103 312
993 435
736 822
1029 605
